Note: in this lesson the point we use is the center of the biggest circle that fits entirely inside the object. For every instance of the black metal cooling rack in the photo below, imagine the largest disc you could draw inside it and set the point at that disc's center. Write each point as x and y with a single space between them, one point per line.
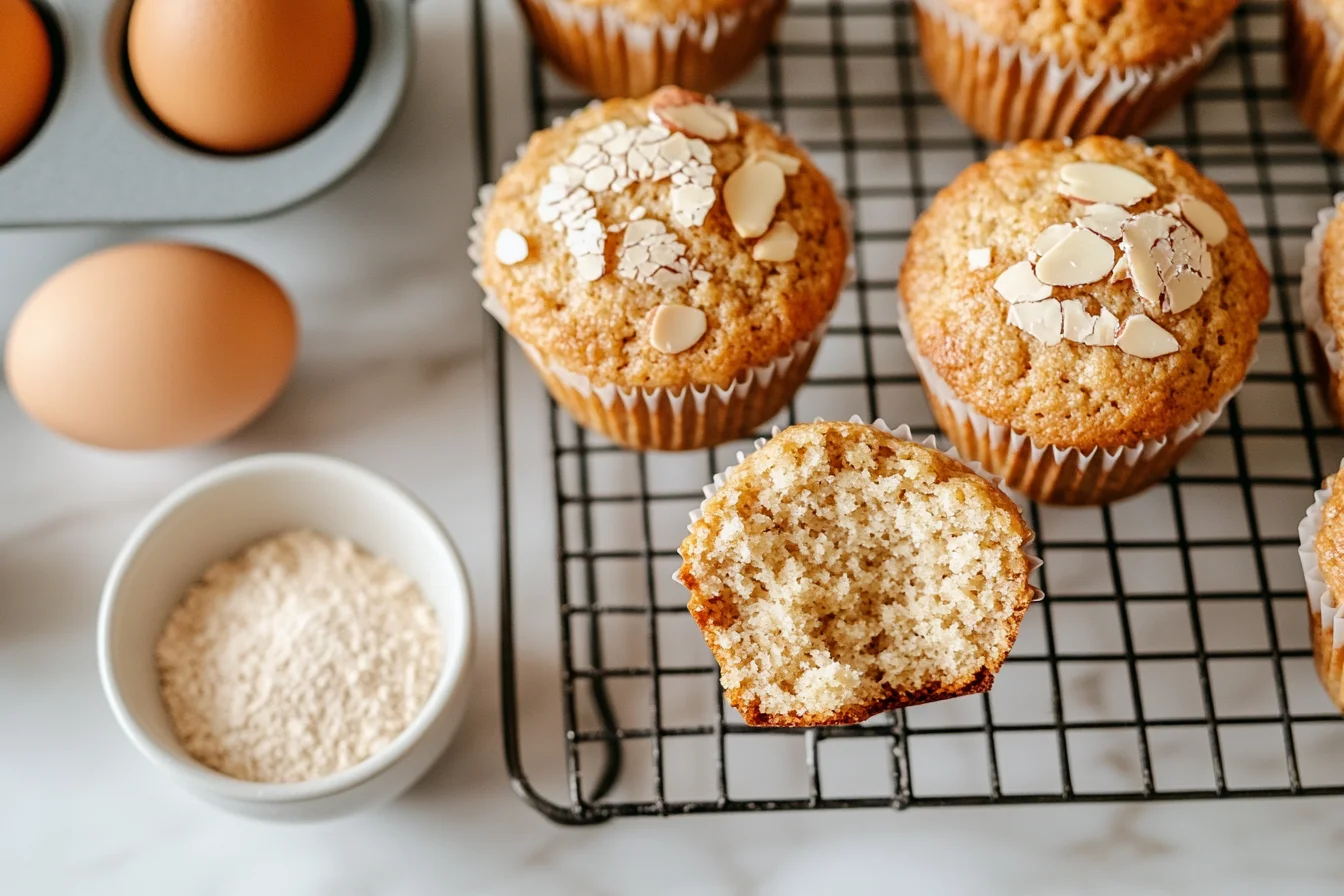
1170 658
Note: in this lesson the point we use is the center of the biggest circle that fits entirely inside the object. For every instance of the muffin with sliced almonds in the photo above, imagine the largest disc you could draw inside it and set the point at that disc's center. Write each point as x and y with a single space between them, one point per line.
1081 313
668 264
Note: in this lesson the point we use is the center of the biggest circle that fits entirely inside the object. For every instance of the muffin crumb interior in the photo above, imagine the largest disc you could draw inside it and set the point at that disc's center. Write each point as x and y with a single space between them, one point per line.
853 570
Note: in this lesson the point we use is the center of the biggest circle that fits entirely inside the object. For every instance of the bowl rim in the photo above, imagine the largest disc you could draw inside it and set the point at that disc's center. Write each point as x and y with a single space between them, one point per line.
453 676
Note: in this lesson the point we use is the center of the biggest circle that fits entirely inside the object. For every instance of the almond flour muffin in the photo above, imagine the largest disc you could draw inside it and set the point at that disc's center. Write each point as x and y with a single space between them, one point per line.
842 570
1322 296
1315 61
1081 313
668 265
1322 553
615 48
1057 68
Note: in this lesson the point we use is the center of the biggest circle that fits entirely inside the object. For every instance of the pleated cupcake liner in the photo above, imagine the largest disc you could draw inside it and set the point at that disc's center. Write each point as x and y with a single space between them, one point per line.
1324 610
1314 56
656 417
903 433
1048 473
1313 312
609 54
1008 93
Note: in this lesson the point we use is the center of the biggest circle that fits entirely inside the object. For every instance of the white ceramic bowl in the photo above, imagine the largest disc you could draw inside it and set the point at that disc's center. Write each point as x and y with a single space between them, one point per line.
213 517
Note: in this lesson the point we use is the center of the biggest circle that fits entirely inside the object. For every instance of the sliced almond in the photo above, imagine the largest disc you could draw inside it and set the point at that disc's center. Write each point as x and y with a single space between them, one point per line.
1019 284
1169 264
510 247
751 195
1184 290
1103 182
1078 324
978 259
1041 320
1080 257
1104 219
780 243
590 267
693 114
1120 272
691 204
1051 237
676 328
790 165
1142 338
1141 235
1205 219
1104 330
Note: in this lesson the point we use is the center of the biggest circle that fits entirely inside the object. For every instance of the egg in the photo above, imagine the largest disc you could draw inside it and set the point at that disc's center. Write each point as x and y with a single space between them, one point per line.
150 346
241 76
25 73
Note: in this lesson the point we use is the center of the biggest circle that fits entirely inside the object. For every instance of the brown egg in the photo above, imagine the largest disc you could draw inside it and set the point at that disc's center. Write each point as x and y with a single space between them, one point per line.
25 73
151 345
241 76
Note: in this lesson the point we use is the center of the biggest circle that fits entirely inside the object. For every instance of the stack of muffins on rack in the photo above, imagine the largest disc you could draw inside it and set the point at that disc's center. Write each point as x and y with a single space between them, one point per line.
1080 310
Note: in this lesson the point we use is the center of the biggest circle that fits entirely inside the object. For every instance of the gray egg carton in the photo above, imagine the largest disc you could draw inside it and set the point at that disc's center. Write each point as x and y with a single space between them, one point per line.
99 158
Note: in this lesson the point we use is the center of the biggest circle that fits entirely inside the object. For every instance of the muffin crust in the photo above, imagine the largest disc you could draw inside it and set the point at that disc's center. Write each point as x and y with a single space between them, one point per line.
1332 275
1070 394
755 311
1330 536
1100 33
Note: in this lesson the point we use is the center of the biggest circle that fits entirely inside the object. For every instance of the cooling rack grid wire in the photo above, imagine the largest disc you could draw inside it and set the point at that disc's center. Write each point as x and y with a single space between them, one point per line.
1170 659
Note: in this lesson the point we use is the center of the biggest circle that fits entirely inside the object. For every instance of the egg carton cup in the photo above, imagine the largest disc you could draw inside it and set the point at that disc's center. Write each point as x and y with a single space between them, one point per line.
1325 611
97 157
1313 312
903 433
609 54
1050 473
662 418
1008 93
1315 61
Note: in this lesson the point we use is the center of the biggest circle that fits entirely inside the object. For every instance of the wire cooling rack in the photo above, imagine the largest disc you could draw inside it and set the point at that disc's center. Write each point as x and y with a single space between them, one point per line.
1170 659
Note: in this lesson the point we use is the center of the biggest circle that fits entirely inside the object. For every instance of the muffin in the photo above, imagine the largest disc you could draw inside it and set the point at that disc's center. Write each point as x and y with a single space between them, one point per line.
1322 296
668 265
618 48
1315 66
842 570
1322 554
1061 68
1080 313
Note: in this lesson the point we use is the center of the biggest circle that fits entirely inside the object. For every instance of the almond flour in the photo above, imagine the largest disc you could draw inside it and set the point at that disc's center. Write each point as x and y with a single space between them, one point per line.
299 657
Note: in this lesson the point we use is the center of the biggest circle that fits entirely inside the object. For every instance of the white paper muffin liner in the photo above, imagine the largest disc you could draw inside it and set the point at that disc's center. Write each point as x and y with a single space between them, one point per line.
661 418
1313 314
601 49
1314 12
1315 64
903 433
1008 93
1325 611
1050 473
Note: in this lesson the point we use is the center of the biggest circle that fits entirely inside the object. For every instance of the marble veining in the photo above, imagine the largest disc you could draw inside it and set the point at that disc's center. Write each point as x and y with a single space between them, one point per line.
391 375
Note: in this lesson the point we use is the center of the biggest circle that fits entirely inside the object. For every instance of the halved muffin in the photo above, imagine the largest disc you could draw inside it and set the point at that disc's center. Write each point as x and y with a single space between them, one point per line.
842 570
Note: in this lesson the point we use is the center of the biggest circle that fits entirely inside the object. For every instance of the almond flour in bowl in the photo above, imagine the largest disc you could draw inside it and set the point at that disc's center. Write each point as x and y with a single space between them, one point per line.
300 657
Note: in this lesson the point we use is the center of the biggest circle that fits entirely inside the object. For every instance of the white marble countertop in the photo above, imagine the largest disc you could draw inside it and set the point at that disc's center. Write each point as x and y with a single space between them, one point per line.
391 376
